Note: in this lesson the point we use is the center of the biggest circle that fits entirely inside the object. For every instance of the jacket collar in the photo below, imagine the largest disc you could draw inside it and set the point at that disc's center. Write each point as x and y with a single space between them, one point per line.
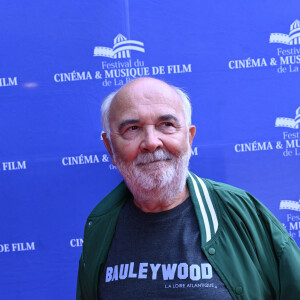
202 198
204 205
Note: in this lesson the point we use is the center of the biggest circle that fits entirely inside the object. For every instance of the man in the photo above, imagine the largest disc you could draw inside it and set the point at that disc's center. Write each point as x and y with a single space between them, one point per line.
165 233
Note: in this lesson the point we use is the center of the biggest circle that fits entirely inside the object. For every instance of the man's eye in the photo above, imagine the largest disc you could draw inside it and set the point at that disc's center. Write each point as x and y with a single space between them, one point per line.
167 127
133 128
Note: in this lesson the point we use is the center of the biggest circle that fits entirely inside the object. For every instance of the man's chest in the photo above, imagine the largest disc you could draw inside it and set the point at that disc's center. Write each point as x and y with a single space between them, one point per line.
159 257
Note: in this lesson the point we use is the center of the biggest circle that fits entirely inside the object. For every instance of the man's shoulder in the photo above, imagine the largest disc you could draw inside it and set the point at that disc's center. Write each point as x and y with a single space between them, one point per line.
238 199
114 199
221 187
223 193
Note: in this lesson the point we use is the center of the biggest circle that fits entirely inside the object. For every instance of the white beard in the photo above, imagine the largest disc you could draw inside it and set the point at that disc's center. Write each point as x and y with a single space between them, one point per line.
155 177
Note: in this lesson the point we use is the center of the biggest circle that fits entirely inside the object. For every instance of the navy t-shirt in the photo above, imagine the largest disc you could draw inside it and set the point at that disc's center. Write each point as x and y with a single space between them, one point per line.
158 256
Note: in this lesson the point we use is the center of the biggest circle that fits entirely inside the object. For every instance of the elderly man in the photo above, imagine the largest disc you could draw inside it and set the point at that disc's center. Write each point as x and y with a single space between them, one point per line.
165 233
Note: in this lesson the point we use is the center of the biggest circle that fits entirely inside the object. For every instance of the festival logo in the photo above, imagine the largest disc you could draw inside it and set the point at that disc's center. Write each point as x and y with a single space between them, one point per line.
288 145
120 67
121 48
293 38
289 204
284 60
288 122
292 222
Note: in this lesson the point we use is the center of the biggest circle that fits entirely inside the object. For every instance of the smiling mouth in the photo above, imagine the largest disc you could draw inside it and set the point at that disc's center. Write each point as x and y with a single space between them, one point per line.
154 161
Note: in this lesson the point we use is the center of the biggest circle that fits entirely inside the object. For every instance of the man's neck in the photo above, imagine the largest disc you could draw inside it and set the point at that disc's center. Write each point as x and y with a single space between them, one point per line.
159 202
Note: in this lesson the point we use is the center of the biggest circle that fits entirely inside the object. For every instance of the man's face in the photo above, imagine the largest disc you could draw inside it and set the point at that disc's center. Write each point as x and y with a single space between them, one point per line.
148 132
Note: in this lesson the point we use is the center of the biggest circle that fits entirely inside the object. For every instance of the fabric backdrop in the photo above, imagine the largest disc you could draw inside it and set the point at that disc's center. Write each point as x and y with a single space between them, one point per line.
238 60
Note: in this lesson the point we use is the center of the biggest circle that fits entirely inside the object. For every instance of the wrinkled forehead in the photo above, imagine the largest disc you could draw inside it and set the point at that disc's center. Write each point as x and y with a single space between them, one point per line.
146 93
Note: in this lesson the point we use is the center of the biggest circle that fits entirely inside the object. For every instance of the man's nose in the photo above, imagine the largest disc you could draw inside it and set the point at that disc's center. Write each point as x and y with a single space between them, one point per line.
151 140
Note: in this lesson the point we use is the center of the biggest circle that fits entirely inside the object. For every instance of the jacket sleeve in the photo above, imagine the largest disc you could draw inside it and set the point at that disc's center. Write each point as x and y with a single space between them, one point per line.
289 271
287 254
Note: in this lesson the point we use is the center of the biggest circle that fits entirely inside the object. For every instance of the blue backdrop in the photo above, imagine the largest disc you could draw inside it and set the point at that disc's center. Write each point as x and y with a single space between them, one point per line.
238 60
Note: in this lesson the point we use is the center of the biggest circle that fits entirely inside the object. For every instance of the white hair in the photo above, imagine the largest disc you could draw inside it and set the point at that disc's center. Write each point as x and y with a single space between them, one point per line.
105 109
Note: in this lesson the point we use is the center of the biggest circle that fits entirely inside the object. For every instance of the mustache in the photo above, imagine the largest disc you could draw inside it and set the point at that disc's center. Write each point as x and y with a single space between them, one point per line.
157 155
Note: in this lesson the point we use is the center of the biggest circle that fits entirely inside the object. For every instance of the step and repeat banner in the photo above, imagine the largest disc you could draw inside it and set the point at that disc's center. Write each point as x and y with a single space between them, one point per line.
238 61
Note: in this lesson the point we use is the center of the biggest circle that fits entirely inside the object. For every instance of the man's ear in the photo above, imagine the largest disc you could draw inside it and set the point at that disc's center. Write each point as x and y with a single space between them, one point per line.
107 145
192 132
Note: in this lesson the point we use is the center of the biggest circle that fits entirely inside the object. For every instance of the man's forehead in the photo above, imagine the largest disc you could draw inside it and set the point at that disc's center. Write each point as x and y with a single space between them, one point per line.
147 112
145 101
146 93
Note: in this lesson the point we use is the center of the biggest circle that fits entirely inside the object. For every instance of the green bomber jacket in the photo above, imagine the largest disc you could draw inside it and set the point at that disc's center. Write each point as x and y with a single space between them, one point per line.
247 246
